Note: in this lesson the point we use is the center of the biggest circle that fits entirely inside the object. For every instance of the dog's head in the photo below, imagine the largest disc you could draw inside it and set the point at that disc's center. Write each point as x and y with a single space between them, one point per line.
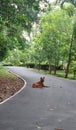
42 79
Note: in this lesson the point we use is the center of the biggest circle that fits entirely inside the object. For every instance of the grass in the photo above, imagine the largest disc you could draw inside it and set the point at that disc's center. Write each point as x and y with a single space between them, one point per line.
59 73
6 74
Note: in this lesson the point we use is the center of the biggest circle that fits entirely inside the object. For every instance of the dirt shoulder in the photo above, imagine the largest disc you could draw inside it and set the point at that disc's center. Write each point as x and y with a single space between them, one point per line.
9 86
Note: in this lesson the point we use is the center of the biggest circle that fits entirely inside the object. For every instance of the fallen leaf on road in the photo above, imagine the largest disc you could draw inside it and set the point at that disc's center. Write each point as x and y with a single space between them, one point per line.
38 126
51 109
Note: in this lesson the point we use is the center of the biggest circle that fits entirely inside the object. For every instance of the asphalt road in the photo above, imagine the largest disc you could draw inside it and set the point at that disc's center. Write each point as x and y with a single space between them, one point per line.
40 108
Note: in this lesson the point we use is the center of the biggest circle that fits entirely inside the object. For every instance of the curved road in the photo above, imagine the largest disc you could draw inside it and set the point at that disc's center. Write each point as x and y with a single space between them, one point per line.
43 108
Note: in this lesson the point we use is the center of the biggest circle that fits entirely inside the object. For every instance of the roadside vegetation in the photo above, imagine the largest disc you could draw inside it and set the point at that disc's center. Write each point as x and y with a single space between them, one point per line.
6 74
9 84
60 73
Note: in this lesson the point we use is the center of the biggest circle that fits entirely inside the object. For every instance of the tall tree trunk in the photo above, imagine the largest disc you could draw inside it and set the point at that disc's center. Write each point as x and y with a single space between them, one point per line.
55 66
54 70
49 68
69 58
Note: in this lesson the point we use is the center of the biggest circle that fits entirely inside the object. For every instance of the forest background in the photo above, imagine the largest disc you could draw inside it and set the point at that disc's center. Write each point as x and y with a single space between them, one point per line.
39 34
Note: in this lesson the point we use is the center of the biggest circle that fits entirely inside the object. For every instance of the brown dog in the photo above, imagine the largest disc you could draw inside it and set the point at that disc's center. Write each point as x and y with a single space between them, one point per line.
39 84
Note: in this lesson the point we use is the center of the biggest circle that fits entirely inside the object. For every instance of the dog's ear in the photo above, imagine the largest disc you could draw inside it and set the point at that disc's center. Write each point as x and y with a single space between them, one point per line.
43 77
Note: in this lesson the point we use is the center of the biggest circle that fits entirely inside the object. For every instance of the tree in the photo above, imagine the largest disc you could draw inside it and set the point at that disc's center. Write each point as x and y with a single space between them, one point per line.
55 37
16 16
70 9
61 2
72 52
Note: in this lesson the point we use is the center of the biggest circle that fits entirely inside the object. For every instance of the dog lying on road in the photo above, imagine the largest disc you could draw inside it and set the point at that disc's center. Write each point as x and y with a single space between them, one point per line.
39 84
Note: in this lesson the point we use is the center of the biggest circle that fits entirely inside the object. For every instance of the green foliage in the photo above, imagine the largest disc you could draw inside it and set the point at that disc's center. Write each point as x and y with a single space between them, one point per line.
22 11
16 16
3 40
52 43
53 35
69 8
73 66
61 2
3 49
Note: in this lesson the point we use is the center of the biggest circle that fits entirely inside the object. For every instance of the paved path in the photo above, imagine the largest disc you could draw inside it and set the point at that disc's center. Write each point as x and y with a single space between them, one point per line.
40 109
